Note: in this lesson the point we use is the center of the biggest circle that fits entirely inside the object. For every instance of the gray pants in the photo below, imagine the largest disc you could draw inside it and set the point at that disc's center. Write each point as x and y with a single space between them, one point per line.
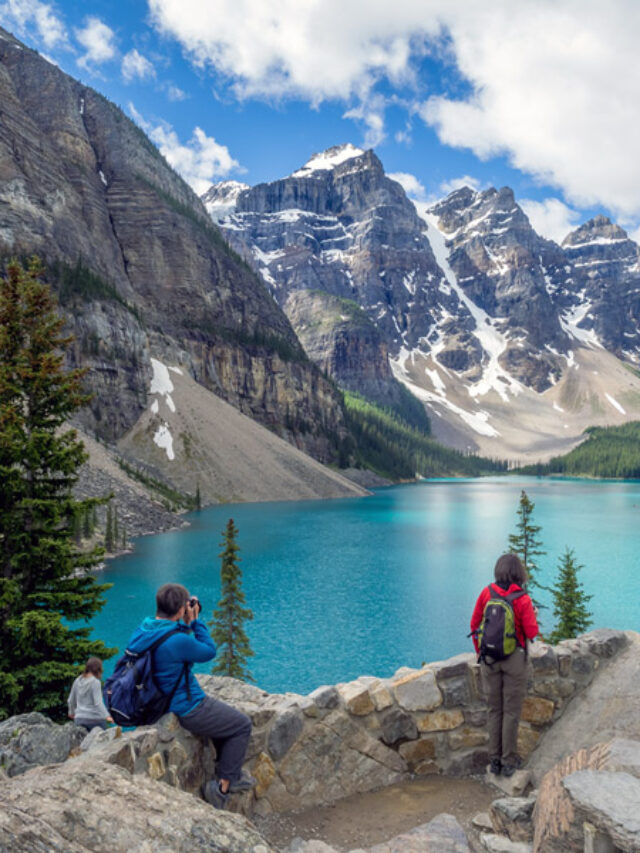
228 728
505 686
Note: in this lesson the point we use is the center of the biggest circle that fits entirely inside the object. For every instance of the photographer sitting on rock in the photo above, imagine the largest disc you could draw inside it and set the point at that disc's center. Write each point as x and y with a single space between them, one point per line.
228 728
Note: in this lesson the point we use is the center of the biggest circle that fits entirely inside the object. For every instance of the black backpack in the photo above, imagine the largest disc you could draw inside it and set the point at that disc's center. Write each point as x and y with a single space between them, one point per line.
132 695
497 638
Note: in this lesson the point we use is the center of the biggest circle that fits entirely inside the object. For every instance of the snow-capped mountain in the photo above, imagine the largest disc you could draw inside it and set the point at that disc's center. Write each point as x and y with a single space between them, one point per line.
484 320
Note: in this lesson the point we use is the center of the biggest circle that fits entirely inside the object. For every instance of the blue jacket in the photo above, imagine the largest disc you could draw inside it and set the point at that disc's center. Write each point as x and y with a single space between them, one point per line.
190 644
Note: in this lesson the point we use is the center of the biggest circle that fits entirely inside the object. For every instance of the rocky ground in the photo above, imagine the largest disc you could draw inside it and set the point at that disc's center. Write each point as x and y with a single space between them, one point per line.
362 820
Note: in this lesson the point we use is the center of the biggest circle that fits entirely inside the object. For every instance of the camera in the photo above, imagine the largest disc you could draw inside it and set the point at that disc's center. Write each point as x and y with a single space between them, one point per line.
195 603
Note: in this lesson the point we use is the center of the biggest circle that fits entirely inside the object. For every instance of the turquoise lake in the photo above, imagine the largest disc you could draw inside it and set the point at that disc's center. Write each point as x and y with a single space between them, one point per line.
362 586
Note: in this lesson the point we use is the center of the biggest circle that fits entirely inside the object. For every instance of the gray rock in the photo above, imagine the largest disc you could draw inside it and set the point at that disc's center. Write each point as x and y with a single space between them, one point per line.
299 845
397 725
98 736
455 691
513 786
284 733
610 802
500 844
326 697
512 816
605 642
442 834
29 740
418 691
482 821
86 805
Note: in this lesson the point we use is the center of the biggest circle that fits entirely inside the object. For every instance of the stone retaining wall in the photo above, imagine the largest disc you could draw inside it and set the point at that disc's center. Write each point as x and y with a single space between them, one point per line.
368 733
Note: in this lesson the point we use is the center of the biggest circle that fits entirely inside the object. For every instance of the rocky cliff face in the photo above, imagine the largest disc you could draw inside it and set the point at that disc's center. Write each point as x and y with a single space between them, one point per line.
483 319
138 265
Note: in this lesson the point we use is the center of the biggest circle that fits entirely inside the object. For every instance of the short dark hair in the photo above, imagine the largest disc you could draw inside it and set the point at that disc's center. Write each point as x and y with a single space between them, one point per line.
169 599
93 666
509 569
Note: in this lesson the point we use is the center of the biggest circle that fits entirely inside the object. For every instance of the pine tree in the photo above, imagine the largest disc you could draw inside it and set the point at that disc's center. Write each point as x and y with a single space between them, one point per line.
569 601
227 625
44 584
526 544
108 535
198 497
116 532
86 523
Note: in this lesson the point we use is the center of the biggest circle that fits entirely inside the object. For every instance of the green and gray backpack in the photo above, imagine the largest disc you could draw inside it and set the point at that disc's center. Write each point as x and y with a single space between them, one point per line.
497 637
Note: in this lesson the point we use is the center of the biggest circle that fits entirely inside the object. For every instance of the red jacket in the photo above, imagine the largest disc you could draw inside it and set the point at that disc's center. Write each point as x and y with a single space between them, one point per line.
525 617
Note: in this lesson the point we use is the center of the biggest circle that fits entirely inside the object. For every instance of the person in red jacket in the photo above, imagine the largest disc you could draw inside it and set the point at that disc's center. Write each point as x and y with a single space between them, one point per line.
505 681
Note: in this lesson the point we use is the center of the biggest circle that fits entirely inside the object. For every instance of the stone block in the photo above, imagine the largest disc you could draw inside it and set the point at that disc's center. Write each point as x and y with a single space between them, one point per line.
482 821
284 732
156 767
543 659
537 710
453 667
513 817
465 764
441 721
397 725
326 697
264 771
166 728
123 755
583 663
499 844
381 697
605 642
564 660
467 737
555 687
455 692
416 751
527 739
357 699
512 786
426 768
476 716
608 801
372 748
441 834
417 691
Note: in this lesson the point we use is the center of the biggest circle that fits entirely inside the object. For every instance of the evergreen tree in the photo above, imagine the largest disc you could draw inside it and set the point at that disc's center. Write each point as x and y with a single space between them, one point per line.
227 625
43 582
108 535
198 497
86 523
569 601
116 532
526 544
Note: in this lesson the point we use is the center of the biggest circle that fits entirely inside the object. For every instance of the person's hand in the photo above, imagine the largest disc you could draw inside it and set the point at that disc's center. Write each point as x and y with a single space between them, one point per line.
192 609
109 719
72 716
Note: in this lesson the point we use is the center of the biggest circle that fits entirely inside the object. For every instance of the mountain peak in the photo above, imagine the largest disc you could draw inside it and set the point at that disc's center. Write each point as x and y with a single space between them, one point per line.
600 229
327 160
221 198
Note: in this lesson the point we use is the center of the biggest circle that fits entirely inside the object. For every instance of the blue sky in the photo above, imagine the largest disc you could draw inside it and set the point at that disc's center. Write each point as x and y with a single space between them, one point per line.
535 94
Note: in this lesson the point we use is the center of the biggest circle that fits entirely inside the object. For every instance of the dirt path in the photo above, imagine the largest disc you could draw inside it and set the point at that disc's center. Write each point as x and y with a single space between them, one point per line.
362 820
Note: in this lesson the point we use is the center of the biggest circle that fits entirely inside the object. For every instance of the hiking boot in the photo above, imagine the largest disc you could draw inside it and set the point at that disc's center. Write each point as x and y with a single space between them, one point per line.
495 766
244 783
214 796
510 767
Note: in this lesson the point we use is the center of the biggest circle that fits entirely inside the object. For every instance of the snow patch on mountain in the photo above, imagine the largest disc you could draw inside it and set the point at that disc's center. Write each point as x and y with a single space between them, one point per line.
163 438
328 159
491 340
161 384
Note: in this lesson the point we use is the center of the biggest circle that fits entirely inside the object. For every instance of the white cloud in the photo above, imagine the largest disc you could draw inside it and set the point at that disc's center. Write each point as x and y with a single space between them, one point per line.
21 16
551 218
553 85
135 65
98 40
201 161
410 184
175 93
454 184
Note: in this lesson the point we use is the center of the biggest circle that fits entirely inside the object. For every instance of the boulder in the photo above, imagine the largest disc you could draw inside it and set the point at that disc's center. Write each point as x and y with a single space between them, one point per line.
599 786
397 725
512 816
500 844
284 733
443 833
87 806
417 691
29 740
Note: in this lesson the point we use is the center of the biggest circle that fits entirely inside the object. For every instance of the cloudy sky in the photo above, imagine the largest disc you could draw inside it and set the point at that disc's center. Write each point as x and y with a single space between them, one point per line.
541 95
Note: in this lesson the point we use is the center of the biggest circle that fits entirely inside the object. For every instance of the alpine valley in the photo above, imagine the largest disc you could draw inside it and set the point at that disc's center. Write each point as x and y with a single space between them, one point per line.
220 334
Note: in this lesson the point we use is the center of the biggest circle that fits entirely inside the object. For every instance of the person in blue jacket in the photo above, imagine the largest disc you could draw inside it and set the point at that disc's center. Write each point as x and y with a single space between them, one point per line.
228 728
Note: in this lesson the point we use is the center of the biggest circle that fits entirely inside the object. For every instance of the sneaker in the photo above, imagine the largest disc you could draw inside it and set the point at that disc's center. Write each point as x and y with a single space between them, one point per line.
495 766
244 783
214 796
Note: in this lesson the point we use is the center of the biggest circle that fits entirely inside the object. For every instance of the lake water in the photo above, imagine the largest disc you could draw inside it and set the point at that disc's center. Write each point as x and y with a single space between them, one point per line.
363 586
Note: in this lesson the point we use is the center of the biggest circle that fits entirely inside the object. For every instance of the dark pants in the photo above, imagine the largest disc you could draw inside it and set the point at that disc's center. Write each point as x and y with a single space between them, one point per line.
91 724
228 728
505 686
